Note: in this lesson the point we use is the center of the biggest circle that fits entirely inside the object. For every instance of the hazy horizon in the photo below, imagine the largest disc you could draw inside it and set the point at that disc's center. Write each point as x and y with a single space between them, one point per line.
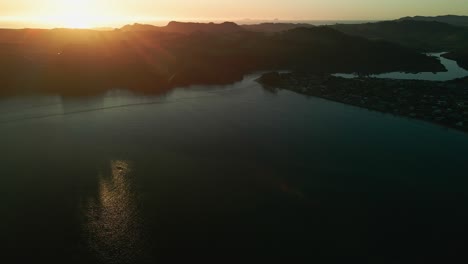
5 24
106 13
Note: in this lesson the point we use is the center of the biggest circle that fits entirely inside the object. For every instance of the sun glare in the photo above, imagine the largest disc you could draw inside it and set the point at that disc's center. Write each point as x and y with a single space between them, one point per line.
74 21
75 14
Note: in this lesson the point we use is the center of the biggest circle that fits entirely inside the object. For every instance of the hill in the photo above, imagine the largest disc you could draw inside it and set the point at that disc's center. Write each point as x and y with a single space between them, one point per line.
328 50
274 27
424 36
226 27
68 62
448 19
188 28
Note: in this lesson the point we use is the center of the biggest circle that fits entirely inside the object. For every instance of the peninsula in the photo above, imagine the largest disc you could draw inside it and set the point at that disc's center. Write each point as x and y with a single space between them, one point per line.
443 103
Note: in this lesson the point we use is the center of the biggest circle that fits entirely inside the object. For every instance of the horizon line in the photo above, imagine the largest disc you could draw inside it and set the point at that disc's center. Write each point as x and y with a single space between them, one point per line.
8 22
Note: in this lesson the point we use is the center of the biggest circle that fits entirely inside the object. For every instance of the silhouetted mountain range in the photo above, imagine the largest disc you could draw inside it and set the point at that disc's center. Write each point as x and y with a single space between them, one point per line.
104 28
449 19
275 27
187 28
328 50
150 59
422 35
226 27
426 36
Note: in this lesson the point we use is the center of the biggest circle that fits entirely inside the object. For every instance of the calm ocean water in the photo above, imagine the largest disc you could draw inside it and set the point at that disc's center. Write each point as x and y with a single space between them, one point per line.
220 171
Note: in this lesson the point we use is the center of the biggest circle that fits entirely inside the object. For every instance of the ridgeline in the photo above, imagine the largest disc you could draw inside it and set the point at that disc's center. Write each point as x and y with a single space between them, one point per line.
153 59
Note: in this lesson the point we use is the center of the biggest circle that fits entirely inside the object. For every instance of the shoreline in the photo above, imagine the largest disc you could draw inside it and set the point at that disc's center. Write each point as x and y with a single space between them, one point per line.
442 103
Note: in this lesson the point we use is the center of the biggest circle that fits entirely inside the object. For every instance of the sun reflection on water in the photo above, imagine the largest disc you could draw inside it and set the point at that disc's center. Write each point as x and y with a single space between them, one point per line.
113 224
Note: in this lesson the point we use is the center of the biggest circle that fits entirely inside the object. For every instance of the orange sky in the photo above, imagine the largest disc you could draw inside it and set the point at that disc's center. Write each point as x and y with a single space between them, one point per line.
91 13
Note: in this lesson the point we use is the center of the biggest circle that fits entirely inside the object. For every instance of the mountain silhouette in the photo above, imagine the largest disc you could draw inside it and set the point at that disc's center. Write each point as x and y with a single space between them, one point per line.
153 59
426 36
274 27
188 27
449 19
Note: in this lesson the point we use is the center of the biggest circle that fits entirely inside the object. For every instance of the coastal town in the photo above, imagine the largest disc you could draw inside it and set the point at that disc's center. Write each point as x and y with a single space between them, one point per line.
443 103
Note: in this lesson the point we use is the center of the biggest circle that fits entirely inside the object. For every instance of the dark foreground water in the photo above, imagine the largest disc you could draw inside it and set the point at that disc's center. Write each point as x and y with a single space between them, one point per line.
226 172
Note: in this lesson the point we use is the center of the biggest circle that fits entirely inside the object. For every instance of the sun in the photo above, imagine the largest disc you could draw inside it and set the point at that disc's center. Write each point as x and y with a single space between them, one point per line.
76 21
75 14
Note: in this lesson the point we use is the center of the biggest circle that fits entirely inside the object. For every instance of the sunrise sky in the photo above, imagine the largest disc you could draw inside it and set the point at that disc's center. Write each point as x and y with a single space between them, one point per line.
95 13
